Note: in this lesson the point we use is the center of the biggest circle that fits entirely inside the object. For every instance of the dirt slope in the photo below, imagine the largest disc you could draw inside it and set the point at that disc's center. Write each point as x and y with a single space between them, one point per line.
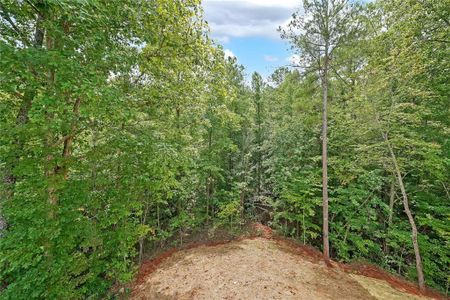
256 268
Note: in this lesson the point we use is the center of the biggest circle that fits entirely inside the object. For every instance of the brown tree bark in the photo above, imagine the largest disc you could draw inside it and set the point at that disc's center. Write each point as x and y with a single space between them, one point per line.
398 174
326 243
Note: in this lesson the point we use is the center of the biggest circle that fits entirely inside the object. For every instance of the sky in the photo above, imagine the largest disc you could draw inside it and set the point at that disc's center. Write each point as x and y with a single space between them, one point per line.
247 29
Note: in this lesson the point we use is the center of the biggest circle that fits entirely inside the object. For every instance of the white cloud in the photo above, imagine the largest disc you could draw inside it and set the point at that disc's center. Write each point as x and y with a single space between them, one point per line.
270 58
269 3
223 39
228 53
248 18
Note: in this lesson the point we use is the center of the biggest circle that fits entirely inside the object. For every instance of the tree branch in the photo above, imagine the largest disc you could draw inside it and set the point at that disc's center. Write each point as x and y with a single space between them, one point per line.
4 13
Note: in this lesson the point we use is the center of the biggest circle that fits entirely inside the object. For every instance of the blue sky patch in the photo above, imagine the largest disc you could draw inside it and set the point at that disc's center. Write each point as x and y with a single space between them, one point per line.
247 29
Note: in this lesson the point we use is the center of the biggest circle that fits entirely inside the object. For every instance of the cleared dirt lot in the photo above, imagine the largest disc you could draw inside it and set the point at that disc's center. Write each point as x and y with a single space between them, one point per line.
256 268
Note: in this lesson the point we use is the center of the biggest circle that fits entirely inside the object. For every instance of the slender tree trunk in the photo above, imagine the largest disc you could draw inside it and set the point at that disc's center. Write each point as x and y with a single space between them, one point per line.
326 244
304 228
178 176
391 204
243 175
419 267
208 196
209 178
142 239
258 112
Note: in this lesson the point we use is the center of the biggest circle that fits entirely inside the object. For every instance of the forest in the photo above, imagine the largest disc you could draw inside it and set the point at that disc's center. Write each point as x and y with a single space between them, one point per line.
124 126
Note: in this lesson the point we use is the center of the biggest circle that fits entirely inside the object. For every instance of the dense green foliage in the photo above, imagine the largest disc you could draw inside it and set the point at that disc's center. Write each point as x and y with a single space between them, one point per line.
388 87
124 126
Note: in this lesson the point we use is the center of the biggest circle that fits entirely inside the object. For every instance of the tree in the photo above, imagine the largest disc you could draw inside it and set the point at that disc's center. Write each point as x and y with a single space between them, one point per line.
322 28
92 143
403 107
257 87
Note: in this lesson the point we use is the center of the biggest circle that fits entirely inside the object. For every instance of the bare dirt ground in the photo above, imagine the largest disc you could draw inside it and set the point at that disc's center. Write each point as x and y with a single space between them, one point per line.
256 268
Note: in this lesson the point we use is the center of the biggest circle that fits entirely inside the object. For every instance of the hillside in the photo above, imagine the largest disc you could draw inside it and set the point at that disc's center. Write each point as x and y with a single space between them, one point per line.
257 269
263 267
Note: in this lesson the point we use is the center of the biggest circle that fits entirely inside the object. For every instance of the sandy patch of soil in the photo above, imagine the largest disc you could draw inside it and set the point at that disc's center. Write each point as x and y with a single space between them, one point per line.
380 289
256 268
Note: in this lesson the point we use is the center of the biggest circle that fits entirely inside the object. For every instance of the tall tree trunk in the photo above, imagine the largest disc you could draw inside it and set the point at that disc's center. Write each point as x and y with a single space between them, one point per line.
142 238
243 175
326 244
209 180
178 176
258 150
419 267
208 197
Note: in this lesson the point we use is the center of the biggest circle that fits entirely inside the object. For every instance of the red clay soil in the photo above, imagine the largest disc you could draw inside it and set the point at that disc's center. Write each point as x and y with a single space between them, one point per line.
308 252
305 251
